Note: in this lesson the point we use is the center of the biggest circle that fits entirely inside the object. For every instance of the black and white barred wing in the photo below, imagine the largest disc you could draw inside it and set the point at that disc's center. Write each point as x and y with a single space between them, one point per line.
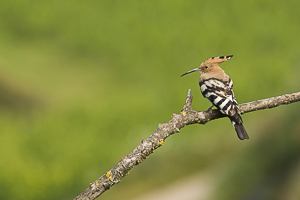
220 94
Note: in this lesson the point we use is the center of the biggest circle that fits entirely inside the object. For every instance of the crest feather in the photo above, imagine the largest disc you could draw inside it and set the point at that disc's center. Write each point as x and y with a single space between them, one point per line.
217 60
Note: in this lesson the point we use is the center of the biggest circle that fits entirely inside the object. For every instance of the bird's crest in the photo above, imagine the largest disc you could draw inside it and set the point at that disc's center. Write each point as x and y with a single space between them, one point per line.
212 64
218 60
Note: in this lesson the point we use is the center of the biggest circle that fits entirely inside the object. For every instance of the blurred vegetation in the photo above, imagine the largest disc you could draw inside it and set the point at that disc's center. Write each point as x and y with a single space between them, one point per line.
83 82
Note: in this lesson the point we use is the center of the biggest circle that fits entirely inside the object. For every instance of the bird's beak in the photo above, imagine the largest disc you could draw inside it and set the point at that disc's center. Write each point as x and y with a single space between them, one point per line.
193 70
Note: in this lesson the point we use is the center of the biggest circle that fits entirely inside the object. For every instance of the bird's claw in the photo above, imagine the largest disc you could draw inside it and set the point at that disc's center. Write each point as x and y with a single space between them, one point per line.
209 109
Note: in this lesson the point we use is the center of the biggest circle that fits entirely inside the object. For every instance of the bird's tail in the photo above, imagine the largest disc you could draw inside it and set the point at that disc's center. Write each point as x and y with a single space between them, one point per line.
237 122
241 132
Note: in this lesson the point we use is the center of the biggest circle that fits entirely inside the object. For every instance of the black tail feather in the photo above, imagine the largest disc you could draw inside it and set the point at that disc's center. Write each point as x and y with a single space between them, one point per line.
241 132
237 122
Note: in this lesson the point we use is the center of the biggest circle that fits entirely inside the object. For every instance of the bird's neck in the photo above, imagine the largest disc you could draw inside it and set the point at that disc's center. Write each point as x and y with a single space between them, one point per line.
216 73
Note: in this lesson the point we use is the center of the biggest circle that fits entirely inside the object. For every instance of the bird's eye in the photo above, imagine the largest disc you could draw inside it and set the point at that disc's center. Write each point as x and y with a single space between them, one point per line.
206 67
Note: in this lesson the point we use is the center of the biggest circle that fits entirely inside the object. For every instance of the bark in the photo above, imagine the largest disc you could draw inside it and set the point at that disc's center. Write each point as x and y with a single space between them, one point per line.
187 116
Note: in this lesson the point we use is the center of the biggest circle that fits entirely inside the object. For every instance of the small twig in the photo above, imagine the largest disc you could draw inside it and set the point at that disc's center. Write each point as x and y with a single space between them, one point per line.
186 117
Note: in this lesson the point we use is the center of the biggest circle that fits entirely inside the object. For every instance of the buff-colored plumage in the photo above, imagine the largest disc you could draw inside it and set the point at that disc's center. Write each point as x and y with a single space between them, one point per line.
210 68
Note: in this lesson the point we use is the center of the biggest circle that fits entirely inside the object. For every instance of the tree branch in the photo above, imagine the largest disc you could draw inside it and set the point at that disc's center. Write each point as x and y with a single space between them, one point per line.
187 116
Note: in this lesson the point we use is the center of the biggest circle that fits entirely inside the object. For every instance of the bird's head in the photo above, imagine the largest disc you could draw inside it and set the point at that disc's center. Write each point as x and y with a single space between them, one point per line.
210 65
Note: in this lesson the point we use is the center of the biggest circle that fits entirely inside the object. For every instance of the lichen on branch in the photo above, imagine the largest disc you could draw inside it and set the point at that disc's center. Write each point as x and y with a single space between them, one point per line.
186 117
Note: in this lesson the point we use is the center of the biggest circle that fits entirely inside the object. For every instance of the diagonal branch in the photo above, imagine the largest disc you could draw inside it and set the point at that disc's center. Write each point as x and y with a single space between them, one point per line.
187 116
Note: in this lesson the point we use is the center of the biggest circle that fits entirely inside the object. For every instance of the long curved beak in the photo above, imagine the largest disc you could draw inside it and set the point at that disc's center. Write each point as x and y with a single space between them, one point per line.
193 70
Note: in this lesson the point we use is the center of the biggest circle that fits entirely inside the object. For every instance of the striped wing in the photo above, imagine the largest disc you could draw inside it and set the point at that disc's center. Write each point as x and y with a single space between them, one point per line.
220 94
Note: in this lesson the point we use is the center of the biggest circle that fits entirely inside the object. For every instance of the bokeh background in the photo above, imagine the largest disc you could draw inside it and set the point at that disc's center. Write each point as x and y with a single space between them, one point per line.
83 82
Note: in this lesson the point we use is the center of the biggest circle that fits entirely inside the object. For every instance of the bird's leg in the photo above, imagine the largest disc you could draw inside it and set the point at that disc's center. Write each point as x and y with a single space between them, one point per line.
210 108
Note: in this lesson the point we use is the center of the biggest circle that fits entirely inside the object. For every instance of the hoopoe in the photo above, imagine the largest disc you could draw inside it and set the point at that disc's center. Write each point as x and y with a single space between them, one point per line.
216 86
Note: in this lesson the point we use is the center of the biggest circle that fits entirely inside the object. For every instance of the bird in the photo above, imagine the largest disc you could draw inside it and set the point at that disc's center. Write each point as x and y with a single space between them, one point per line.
216 86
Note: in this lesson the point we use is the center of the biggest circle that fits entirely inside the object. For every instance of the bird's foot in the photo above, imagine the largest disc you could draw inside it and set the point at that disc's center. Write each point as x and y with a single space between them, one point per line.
209 109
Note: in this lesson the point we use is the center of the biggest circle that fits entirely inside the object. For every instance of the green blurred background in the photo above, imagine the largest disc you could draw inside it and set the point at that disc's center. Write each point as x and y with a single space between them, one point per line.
83 82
